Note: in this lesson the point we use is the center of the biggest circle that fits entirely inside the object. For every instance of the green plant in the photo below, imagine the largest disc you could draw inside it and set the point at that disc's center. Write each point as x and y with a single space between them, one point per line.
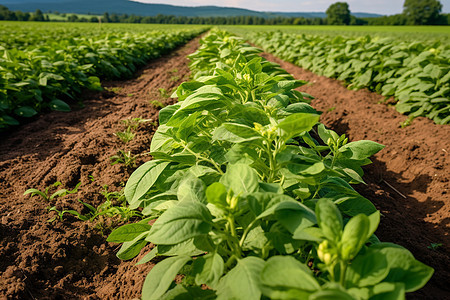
35 75
253 196
163 93
434 246
133 124
157 103
416 74
125 158
46 193
125 136
60 214
175 78
114 89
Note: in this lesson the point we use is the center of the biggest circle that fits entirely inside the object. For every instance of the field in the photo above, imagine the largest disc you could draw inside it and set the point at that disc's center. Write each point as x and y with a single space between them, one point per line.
257 175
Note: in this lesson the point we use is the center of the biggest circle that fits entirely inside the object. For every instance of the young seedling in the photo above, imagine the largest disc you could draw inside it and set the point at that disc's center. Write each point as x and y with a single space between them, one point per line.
125 136
157 104
434 246
46 193
163 93
125 158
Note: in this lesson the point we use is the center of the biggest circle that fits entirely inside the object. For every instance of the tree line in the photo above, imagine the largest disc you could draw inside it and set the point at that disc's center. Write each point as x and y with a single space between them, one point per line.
415 12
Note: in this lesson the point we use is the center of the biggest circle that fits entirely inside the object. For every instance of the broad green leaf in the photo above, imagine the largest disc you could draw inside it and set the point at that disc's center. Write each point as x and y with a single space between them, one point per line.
181 292
241 178
161 277
404 268
295 216
235 133
191 189
355 235
128 250
187 247
208 269
148 257
285 272
331 294
25 111
298 123
388 291
367 269
264 204
59 105
243 281
141 181
216 194
360 149
181 222
329 219
127 232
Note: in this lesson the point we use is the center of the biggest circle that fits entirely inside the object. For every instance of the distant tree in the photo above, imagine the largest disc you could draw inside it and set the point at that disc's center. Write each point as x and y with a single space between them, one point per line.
105 18
422 12
72 18
38 16
338 14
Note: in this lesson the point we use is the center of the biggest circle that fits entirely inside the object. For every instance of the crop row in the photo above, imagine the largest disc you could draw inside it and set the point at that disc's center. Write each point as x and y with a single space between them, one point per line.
43 77
415 74
252 195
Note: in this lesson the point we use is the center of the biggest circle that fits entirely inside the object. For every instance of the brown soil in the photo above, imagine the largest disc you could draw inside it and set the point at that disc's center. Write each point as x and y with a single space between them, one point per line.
71 259
409 180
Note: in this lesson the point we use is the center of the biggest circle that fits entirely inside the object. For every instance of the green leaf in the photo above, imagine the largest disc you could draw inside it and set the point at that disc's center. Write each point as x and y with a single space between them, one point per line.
208 269
329 219
191 189
161 277
368 269
142 180
59 105
295 216
241 178
25 111
356 233
127 232
235 133
216 194
360 149
181 292
243 281
128 250
181 222
298 123
148 257
265 204
388 291
282 274
331 294
404 267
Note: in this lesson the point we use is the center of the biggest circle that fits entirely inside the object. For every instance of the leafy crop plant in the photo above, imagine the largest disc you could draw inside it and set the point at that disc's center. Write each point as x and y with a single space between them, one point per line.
253 196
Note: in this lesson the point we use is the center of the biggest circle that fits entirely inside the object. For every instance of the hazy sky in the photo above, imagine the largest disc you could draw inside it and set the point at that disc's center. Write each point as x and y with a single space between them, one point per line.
385 7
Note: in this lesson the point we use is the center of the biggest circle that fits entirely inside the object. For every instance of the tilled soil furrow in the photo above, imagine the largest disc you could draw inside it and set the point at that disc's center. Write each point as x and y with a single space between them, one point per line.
70 259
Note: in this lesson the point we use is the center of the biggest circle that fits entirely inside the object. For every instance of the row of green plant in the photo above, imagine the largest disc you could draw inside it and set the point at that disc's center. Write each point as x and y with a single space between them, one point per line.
417 75
252 195
43 77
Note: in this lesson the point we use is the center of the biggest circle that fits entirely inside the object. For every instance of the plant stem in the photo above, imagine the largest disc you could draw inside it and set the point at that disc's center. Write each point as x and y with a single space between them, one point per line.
342 275
246 231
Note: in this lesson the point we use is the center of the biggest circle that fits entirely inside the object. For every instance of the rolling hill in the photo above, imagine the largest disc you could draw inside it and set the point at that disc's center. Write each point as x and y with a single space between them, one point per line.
146 9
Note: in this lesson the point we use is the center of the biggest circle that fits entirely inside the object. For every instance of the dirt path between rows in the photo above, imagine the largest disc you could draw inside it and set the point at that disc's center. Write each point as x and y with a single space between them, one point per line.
409 181
70 259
